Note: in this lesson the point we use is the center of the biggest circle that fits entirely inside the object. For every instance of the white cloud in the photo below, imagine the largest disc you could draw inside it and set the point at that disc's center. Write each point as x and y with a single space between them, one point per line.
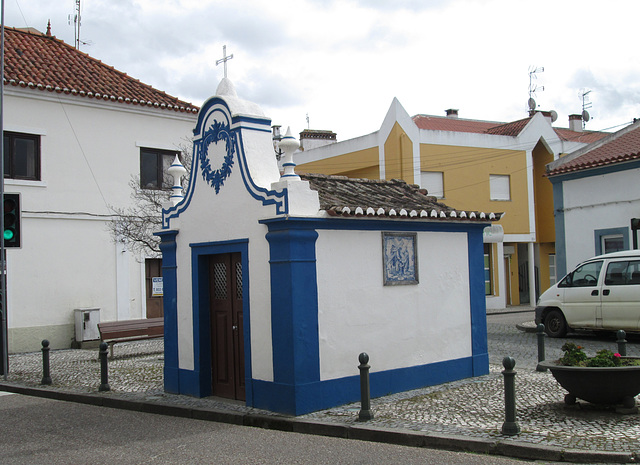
343 61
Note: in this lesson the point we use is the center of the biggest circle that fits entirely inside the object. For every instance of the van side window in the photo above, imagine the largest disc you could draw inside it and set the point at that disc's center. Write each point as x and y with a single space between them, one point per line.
623 273
583 276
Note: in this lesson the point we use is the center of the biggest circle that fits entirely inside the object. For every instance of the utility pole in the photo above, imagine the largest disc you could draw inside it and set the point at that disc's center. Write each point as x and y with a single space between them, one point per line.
4 348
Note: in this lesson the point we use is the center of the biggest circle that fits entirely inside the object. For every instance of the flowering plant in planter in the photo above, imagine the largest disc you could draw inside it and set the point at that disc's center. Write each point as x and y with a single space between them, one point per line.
575 356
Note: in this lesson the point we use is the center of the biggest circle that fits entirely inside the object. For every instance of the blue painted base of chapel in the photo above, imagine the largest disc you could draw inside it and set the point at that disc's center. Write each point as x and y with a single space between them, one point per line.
297 400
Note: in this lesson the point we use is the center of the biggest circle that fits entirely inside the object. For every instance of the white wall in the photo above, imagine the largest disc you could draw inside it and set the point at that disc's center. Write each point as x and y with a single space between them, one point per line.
89 151
597 202
398 326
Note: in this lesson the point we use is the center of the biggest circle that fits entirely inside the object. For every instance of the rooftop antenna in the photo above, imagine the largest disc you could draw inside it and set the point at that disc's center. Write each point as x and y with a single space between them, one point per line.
76 25
583 95
533 87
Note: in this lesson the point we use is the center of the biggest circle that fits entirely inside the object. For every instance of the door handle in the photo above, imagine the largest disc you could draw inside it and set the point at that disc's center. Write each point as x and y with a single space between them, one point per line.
606 291
594 292
234 327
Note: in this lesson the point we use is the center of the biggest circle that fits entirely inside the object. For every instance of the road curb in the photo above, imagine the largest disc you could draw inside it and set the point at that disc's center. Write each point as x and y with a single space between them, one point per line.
508 447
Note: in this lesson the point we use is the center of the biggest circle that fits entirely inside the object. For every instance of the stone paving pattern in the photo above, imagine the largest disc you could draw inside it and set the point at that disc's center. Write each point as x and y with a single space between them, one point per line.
471 407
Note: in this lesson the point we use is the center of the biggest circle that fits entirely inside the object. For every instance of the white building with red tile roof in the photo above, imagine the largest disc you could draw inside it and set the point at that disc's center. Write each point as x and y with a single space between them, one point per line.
75 132
596 193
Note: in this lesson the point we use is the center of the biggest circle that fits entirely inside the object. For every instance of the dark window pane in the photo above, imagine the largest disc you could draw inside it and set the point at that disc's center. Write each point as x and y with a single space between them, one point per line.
149 170
24 159
7 156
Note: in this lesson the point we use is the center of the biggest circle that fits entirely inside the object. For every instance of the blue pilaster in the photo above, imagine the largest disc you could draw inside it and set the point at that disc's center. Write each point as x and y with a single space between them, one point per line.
170 302
477 302
294 317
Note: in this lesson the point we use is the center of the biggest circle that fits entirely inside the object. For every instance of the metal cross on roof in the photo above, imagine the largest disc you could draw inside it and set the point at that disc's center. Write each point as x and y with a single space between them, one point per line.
224 59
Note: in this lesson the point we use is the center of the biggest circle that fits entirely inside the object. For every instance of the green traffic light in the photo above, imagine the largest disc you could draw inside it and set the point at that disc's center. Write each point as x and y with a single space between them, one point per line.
8 234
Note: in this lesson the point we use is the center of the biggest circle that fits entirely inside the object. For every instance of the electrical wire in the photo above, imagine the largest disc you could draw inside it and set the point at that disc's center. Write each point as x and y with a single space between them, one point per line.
75 135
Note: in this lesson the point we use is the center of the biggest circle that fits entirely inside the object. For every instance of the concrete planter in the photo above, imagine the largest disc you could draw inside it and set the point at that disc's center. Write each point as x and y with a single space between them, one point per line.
598 385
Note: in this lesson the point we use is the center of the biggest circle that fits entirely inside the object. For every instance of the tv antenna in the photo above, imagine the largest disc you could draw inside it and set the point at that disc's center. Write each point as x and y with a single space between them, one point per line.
533 87
583 95
76 27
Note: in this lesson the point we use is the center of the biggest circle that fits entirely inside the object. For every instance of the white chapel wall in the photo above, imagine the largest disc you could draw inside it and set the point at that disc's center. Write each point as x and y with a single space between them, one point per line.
230 215
398 326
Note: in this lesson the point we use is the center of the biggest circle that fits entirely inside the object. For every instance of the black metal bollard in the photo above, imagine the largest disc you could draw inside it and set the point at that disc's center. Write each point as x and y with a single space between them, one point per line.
510 427
541 355
622 342
46 372
104 375
365 396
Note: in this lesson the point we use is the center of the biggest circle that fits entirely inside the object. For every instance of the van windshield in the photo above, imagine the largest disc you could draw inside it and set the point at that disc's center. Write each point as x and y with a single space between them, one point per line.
584 276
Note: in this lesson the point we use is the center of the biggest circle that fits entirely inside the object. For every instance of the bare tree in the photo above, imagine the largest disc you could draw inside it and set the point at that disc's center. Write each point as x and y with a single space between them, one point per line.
136 223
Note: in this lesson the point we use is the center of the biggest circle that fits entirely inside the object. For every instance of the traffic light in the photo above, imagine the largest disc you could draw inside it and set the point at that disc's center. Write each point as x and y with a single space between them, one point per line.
11 210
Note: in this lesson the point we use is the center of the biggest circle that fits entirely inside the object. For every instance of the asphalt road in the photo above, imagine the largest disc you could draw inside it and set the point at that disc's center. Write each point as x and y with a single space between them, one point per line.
43 431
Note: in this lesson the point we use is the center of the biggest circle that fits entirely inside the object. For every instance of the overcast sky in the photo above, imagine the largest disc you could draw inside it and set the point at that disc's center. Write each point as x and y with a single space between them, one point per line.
342 62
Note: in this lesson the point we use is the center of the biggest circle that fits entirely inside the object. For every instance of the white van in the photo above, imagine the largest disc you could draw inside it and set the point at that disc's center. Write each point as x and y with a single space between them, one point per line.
602 293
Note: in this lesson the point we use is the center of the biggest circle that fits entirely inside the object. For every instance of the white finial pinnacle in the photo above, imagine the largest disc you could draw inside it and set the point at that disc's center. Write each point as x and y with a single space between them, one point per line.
177 171
288 145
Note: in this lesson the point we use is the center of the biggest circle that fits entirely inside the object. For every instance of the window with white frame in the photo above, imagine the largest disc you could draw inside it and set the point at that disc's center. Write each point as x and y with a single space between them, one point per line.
500 186
433 182
21 156
553 274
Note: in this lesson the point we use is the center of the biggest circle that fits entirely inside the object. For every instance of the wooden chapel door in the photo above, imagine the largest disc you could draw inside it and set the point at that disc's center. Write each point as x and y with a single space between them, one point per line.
227 344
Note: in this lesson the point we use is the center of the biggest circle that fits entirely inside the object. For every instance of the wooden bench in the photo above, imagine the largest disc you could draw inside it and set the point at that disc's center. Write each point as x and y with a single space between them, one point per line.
113 332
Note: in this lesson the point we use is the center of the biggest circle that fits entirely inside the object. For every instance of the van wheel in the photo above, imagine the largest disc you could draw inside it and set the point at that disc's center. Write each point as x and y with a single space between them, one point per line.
554 324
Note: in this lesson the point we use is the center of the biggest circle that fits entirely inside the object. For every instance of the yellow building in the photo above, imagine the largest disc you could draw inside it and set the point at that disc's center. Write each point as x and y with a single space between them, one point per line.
471 165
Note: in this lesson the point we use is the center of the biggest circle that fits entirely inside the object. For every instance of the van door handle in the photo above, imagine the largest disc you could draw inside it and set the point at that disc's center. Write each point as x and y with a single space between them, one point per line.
606 291
594 292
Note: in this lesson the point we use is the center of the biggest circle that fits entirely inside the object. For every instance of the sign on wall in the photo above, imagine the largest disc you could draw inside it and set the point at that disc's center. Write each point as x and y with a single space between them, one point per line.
156 287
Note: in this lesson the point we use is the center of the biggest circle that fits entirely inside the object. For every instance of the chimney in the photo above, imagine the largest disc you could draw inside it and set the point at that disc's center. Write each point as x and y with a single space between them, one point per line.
313 138
575 123
451 113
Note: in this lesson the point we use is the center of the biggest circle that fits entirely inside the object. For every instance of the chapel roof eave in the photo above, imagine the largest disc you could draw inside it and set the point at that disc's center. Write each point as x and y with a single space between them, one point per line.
386 199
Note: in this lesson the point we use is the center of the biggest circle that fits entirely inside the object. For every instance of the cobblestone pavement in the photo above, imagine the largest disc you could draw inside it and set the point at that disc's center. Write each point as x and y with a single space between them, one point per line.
470 408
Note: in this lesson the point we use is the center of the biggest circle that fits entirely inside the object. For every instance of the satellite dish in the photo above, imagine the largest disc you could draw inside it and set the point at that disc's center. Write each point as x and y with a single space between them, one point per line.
585 116
554 116
532 104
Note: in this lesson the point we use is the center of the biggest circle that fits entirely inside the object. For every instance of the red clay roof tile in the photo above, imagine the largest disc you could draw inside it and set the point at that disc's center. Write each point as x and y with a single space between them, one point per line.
443 123
342 196
623 146
42 62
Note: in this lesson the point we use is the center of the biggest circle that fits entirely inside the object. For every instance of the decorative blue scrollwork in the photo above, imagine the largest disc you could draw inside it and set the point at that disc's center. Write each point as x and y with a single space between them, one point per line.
217 132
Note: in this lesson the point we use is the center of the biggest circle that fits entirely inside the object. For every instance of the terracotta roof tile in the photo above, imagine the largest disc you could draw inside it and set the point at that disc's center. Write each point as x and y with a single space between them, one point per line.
621 146
443 123
586 137
342 196
509 129
43 63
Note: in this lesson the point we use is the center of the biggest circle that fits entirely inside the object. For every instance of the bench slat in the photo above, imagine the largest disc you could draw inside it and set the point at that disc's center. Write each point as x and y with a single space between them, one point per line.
130 330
